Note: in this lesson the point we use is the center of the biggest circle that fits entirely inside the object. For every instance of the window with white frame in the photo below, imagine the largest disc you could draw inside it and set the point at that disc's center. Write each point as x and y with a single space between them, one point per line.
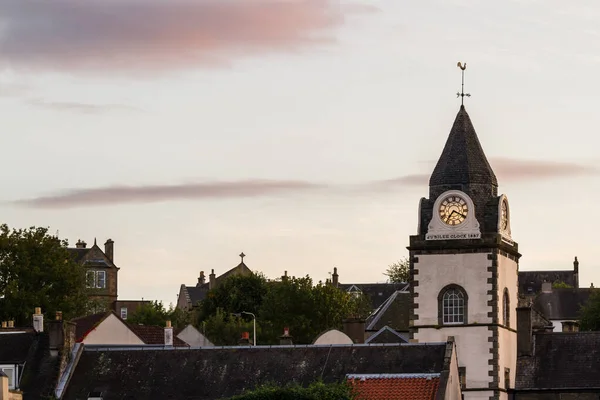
123 312
453 305
10 371
96 279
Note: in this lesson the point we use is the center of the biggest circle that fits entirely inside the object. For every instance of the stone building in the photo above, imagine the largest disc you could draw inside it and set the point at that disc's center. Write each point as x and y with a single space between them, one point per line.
464 266
102 275
190 296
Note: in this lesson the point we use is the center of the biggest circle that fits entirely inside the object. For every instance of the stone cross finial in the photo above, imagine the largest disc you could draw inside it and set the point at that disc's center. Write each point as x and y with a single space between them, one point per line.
242 255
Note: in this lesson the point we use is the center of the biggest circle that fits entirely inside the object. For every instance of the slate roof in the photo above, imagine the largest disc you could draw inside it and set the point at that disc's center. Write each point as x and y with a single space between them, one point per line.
377 292
561 360
387 335
15 344
154 335
530 282
395 386
212 373
463 160
77 253
197 293
562 303
394 312
39 374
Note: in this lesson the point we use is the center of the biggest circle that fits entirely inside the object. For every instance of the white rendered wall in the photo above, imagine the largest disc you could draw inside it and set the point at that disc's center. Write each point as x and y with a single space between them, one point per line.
472 347
469 271
112 331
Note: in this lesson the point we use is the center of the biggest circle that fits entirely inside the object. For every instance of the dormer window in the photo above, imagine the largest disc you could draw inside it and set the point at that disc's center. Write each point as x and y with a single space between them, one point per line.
96 279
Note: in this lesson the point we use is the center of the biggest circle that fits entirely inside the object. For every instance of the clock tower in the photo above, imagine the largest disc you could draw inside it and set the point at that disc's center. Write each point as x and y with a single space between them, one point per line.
464 266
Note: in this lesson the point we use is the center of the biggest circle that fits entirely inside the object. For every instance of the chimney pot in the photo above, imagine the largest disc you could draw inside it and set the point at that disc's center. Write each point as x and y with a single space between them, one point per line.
38 320
168 334
201 278
335 277
245 339
286 338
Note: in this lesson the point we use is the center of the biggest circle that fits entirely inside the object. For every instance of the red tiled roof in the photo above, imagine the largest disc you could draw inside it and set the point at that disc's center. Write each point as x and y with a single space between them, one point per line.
395 386
154 335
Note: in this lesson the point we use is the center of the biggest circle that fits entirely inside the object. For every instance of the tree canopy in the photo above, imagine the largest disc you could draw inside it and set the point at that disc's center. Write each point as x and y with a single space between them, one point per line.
155 314
37 271
590 312
399 271
294 303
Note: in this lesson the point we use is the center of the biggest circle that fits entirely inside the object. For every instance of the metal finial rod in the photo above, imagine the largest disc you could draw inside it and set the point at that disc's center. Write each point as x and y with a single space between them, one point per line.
462 93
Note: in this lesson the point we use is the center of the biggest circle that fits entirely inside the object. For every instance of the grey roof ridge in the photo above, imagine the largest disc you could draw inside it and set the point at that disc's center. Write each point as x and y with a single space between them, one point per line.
380 331
103 347
382 308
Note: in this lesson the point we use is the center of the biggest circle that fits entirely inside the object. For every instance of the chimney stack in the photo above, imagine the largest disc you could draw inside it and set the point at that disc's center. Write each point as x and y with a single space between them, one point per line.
201 279
524 331
570 326
284 278
109 249
212 280
546 287
576 272
355 329
4 383
285 339
80 244
168 334
38 320
335 277
245 339
56 334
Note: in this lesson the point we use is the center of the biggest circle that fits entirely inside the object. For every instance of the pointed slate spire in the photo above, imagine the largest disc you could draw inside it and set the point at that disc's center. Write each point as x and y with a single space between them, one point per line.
463 161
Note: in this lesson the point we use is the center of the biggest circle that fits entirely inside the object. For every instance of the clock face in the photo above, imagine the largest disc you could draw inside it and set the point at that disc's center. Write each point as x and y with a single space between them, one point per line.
453 210
504 215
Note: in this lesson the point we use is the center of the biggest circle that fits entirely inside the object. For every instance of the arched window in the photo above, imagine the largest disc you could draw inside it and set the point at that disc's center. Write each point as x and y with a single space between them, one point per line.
452 305
506 309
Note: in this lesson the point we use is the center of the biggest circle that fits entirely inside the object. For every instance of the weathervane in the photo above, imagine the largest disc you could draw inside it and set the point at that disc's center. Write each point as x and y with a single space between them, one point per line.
462 93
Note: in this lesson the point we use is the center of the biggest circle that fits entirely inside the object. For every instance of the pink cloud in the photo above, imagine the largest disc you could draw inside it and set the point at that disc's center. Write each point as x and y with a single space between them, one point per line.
142 35
157 193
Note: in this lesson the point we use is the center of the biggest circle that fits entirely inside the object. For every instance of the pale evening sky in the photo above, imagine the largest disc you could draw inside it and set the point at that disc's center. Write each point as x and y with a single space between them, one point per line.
299 132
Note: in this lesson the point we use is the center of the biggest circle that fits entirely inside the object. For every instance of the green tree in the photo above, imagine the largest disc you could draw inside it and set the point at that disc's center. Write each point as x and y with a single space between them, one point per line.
235 294
399 271
315 391
589 313
305 309
155 314
561 285
37 271
225 329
